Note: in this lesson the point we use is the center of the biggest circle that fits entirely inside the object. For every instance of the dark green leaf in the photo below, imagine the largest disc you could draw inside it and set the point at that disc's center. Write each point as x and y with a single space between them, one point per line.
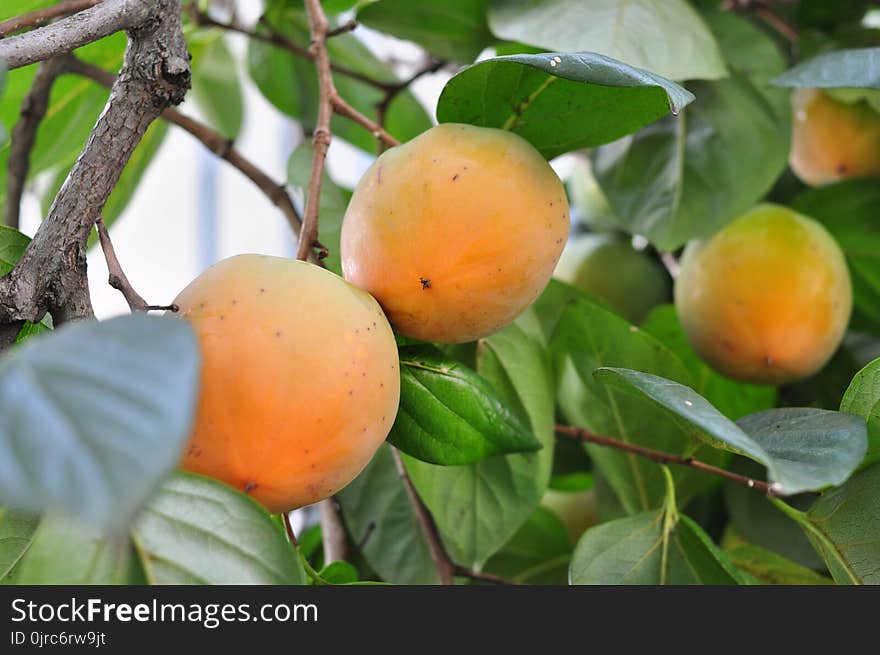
92 416
12 246
588 337
859 68
666 37
544 98
849 210
539 553
846 528
16 535
863 398
479 507
339 573
331 205
733 399
380 518
803 448
685 178
216 89
200 531
650 548
450 415
766 567
452 29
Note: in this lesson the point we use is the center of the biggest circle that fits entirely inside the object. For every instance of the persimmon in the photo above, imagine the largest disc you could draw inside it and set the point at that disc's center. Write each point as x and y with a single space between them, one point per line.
766 299
455 232
299 381
832 139
629 281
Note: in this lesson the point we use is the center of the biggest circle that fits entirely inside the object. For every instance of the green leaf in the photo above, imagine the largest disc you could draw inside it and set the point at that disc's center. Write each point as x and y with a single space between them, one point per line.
67 552
340 573
666 37
769 568
544 97
661 547
762 524
539 553
733 399
588 337
291 84
858 68
862 397
93 415
12 247
380 517
16 535
199 531
803 448
452 29
686 178
216 88
479 507
450 415
74 106
844 526
331 204
22 7
849 209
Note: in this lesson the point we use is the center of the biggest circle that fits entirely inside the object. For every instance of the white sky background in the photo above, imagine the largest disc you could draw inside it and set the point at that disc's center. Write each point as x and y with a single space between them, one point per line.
159 239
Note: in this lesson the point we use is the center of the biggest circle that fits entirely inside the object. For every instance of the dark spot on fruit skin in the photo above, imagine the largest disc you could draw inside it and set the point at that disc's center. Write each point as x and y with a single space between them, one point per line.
262 290
222 317
841 168
425 282
278 334
234 301
455 177
249 487
201 305
351 392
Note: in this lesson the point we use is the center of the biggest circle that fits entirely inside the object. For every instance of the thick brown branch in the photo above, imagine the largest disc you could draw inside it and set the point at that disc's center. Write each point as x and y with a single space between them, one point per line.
664 458
43 16
74 31
24 133
119 280
51 274
332 532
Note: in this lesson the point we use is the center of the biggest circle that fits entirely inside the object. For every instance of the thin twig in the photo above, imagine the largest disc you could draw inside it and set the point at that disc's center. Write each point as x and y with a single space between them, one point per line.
288 528
24 134
214 141
118 279
586 436
280 41
345 28
43 16
321 139
761 9
332 532
443 565
392 92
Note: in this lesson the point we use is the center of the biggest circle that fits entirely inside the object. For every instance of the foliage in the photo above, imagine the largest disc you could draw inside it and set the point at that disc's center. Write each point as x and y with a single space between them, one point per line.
682 109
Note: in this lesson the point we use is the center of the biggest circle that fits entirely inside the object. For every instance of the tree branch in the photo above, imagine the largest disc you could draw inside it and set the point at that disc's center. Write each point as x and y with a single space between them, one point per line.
118 279
214 141
51 274
661 457
24 133
77 30
444 566
280 41
332 532
42 16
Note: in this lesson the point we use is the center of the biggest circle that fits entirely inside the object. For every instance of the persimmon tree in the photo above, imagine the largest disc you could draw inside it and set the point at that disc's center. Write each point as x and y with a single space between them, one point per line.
722 155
